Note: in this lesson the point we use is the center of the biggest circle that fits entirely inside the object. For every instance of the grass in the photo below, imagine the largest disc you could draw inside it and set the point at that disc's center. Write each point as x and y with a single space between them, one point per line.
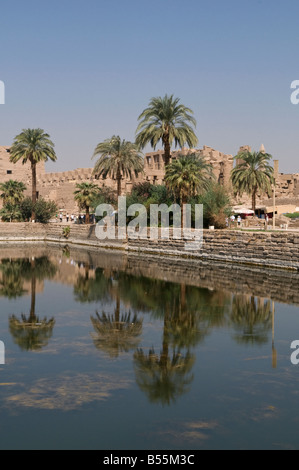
293 215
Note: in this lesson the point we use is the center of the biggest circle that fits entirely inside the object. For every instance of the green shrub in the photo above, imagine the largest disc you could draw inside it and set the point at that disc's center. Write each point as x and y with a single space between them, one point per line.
293 215
44 210
66 231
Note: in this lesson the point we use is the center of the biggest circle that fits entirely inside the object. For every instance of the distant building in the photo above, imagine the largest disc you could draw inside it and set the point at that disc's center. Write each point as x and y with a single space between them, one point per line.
60 186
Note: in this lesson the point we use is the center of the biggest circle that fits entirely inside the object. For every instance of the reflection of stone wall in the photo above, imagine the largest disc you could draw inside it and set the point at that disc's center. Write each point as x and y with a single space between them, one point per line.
279 285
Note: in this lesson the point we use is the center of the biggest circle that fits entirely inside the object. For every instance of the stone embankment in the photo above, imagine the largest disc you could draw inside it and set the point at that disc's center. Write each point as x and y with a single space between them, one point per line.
271 249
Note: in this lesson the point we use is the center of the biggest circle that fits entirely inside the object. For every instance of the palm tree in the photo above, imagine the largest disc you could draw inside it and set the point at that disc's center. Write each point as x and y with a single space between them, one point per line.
252 174
84 195
118 158
12 195
167 121
12 192
35 146
187 176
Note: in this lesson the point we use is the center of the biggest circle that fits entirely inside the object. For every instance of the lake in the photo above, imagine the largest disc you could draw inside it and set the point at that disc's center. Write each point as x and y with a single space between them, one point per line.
106 350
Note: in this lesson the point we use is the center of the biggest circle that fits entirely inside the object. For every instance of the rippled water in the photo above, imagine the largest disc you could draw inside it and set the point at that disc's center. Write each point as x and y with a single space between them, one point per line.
108 351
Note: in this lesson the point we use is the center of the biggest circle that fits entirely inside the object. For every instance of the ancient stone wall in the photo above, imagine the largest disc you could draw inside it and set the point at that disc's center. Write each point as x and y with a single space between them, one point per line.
60 186
268 249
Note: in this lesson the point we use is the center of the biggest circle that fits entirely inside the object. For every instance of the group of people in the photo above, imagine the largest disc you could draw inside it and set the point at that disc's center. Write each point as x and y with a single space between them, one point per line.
233 219
71 218
238 219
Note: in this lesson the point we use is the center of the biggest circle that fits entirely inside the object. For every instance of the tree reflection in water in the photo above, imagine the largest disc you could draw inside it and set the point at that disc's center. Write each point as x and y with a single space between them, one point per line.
189 314
116 333
31 332
186 321
251 318
11 283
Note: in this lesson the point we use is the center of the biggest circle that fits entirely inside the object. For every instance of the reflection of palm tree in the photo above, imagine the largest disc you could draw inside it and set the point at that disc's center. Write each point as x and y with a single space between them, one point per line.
188 313
11 282
274 352
116 333
89 289
31 332
163 378
251 318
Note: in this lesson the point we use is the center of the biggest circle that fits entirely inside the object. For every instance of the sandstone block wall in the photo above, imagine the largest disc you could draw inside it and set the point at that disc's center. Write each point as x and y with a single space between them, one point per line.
269 249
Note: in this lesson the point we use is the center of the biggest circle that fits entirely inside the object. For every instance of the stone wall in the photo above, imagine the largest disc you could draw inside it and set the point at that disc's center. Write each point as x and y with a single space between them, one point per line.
271 249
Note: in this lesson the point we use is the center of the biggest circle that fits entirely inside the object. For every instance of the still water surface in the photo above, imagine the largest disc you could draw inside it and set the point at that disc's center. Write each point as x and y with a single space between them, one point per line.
99 355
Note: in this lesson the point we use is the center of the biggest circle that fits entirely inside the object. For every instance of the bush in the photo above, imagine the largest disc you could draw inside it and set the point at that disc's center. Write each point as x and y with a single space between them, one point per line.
216 206
293 215
66 231
44 210
104 196
10 213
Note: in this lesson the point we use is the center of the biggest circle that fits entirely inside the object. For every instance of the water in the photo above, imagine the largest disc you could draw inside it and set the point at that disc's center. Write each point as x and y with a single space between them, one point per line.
105 351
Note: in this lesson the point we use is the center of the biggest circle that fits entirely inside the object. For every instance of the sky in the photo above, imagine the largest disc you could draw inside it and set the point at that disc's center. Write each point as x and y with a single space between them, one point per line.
84 70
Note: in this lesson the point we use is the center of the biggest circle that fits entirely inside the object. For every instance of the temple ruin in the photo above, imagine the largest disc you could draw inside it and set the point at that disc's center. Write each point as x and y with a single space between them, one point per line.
60 186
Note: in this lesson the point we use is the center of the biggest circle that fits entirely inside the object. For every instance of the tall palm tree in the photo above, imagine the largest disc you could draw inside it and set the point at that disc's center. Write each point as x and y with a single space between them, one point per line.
167 121
12 192
84 195
187 176
118 158
33 145
252 174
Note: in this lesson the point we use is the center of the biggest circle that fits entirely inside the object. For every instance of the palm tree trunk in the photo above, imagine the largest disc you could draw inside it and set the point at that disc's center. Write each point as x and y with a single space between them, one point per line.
118 179
117 309
165 343
183 201
183 298
33 295
33 292
33 170
87 215
253 197
166 151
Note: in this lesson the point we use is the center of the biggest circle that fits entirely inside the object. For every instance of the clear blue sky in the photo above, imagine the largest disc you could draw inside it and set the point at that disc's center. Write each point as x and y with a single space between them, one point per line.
85 70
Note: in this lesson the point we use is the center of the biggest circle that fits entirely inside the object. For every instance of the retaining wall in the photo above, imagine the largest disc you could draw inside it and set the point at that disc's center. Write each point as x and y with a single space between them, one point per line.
272 249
